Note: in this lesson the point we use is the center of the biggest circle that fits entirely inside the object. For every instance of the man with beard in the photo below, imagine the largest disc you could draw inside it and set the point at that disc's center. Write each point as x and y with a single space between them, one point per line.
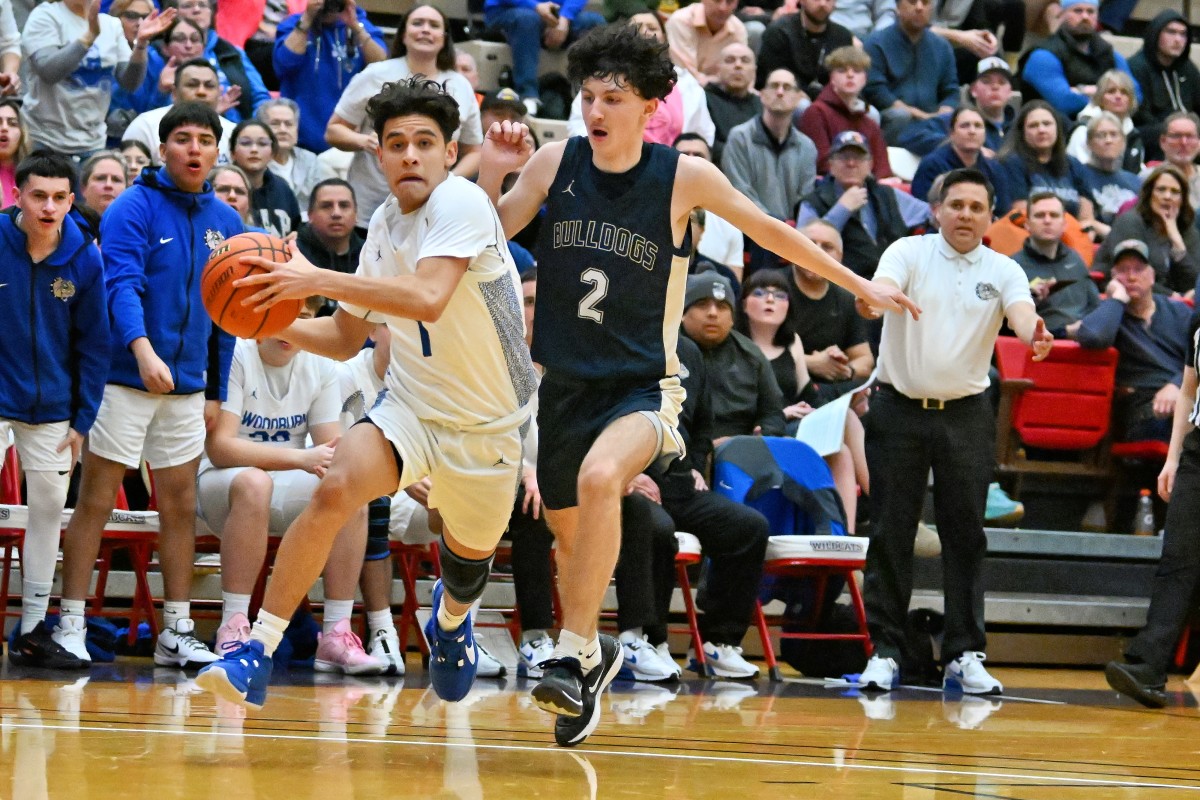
1065 68
799 42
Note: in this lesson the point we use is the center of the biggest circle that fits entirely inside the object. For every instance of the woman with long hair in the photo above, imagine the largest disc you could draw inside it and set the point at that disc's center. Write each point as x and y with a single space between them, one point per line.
1164 219
14 146
273 204
423 46
1035 158
763 317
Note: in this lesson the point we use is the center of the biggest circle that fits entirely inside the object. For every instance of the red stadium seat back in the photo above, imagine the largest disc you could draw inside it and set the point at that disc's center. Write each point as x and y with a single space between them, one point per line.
1063 402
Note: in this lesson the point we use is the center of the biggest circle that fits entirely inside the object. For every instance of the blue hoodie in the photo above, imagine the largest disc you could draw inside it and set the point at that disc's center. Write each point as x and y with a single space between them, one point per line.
54 341
157 239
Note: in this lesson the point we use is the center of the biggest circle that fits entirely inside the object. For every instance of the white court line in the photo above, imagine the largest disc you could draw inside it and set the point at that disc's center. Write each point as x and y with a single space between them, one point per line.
912 768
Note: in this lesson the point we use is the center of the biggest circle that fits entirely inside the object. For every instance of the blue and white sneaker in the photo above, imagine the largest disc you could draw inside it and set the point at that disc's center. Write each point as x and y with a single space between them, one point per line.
532 654
641 661
240 677
967 674
723 661
453 656
881 675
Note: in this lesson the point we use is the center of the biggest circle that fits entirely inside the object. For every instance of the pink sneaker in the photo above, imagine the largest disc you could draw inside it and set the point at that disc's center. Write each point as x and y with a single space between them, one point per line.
341 650
232 635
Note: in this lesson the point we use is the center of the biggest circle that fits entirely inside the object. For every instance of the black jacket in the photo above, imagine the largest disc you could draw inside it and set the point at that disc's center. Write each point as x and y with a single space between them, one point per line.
1165 90
861 253
787 44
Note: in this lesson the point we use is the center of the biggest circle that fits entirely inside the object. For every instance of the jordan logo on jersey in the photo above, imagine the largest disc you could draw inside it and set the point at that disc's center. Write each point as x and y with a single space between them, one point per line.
609 239
569 189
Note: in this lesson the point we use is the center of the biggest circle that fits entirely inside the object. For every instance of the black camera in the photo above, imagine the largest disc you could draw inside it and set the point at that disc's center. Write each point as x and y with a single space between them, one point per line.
333 7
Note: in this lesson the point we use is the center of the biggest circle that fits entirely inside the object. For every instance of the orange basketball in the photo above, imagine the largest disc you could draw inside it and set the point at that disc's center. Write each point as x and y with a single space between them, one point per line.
224 301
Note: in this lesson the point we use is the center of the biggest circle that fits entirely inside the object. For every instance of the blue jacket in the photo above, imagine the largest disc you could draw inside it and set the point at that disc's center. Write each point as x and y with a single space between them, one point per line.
317 78
54 340
943 159
157 239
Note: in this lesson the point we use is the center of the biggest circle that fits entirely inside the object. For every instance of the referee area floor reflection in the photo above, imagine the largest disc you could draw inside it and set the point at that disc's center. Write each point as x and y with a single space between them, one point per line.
132 730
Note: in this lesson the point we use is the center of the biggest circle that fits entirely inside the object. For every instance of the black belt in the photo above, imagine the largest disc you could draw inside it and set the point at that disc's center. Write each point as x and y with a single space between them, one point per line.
927 403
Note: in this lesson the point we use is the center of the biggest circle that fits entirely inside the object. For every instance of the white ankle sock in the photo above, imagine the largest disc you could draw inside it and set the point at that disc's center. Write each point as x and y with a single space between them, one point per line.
232 603
35 602
71 608
269 630
175 610
572 645
447 621
381 620
335 612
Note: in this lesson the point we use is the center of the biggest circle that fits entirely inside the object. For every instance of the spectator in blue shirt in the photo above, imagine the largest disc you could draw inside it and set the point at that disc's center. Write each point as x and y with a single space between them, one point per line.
1150 333
964 148
1035 157
528 25
316 55
1111 186
913 74
1065 68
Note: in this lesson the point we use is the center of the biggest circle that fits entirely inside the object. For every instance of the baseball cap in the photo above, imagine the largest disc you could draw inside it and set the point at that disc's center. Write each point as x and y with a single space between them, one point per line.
1069 3
707 285
847 139
993 64
1135 246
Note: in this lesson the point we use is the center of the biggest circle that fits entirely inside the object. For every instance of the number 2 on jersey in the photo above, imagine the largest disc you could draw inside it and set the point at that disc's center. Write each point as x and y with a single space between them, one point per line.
587 306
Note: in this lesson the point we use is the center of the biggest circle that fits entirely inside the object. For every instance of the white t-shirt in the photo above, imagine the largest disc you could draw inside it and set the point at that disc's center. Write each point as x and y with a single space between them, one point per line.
278 405
359 386
946 354
144 129
370 187
69 115
470 370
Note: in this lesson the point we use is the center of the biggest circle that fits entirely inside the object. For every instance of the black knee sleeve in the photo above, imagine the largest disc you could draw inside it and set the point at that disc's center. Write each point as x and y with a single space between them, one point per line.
463 578
379 517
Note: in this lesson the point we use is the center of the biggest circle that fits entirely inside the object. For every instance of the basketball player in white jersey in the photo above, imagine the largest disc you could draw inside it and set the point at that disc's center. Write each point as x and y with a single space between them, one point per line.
437 270
259 473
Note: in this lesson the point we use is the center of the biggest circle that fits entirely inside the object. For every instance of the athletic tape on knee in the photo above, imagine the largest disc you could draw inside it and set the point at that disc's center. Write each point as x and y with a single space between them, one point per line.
463 578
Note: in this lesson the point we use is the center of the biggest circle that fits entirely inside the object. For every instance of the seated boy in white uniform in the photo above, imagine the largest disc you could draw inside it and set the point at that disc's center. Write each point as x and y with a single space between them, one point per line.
258 474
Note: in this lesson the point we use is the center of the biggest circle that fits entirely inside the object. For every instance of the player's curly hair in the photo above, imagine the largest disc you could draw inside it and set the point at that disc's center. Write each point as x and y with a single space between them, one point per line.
415 95
621 54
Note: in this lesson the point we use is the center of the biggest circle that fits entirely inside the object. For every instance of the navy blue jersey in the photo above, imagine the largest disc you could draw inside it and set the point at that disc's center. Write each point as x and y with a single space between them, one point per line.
610 281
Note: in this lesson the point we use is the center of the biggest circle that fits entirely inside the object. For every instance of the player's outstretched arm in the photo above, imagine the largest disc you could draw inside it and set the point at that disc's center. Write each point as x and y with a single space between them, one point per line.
505 150
699 183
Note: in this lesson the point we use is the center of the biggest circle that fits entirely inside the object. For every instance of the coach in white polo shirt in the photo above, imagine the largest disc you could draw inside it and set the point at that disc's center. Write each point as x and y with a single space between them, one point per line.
932 412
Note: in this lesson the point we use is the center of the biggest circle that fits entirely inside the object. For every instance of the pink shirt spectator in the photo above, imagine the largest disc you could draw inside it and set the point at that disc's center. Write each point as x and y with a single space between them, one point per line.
666 124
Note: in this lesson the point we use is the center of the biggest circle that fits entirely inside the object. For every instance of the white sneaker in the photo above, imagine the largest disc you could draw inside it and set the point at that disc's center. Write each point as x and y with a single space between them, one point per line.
385 646
878 706
725 661
966 674
664 653
177 647
488 665
532 654
881 675
71 635
642 662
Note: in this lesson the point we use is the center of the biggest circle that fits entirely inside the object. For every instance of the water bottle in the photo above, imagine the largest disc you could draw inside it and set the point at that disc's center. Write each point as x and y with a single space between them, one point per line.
1143 520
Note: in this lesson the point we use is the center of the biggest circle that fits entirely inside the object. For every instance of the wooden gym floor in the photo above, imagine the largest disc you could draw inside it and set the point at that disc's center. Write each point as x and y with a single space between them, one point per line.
131 730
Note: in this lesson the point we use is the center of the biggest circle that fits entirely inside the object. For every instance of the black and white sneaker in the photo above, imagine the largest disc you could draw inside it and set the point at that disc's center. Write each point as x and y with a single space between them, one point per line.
564 686
38 649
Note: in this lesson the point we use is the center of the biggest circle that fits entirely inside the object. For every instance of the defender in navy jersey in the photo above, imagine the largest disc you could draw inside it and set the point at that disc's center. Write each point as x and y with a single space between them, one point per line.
610 298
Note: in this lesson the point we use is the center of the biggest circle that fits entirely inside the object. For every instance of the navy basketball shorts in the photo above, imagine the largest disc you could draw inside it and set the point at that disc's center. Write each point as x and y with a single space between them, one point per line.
573 413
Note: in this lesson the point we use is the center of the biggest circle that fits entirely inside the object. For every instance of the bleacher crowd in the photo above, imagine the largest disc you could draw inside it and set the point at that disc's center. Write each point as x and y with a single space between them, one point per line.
838 117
